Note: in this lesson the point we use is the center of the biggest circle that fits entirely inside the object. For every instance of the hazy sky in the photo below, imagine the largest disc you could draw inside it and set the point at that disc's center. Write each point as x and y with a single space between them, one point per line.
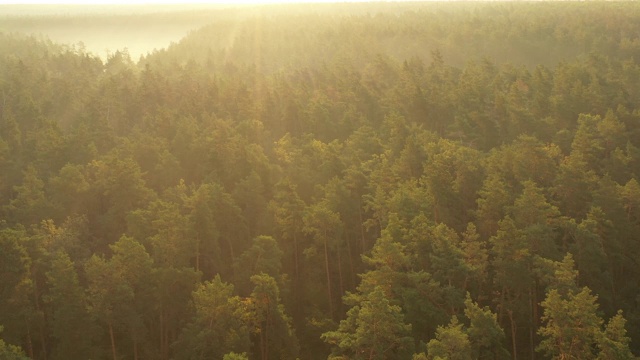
103 38
137 2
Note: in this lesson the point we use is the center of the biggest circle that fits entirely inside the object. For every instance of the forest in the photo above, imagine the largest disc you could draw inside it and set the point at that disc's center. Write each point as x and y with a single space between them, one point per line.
438 180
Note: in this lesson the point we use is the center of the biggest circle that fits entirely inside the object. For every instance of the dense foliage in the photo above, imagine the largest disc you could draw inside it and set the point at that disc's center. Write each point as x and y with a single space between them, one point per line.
371 181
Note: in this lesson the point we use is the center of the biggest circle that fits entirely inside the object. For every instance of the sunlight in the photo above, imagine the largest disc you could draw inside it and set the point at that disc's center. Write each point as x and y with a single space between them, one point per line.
169 2
319 179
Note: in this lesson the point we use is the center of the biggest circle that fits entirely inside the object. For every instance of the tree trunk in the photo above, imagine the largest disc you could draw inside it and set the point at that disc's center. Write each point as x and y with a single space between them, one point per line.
295 252
165 337
233 257
43 343
372 350
163 352
263 353
266 334
340 279
532 326
296 275
513 334
29 344
113 342
326 265
198 252
135 348
352 270
264 337
364 243
36 295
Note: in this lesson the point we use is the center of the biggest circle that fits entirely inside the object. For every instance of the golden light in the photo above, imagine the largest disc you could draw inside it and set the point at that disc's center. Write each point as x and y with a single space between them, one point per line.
169 2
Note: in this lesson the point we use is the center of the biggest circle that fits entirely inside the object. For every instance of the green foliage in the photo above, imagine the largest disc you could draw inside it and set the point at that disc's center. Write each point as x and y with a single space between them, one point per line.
451 342
271 325
572 325
234 356
220 197
10 352
30 203
70 327
482 338
374 329
485 334
264 256
219 324
16 284
115 287
613 342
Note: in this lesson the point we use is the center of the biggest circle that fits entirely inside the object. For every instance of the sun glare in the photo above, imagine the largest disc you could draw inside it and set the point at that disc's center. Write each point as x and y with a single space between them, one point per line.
168 2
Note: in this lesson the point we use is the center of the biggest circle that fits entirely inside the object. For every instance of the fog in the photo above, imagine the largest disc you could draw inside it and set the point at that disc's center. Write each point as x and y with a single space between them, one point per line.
103 29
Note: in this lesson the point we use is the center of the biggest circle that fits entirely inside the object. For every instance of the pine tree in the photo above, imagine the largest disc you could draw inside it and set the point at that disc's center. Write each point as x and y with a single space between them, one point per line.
373 329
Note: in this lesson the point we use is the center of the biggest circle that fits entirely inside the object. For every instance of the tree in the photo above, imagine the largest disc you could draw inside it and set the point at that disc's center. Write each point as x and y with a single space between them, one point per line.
613 133
572 325
169 293
264 256
447 264
587 142
388 262
205 227
10 352
107 296
30 205
513 277
17 289
440 81
114 285
71 237
592 255
474 97
613 342
71 330
373 329
325 227
221 230
630 194
574 185
476 257
219 323
482 338
276 338
249 195
485 334
173 244
451 342
117 187
452 177
494 197
401 272
288 209
537 219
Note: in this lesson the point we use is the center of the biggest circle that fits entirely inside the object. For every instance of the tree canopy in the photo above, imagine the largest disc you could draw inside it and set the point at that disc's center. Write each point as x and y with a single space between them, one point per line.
346 181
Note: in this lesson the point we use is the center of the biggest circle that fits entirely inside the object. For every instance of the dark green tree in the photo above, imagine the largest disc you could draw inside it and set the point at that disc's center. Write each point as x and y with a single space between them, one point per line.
451 342
373 329
219 323
274 337
70 328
